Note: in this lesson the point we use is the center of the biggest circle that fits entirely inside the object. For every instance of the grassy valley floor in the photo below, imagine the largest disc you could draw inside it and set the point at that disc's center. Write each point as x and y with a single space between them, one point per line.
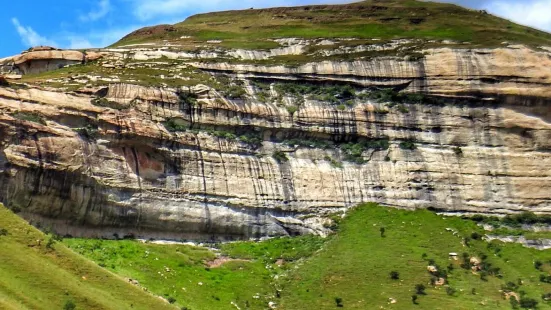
350 268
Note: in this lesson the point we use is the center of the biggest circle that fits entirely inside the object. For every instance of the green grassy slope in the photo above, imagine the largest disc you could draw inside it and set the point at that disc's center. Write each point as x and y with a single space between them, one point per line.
354 265
35 276
381 19
182 272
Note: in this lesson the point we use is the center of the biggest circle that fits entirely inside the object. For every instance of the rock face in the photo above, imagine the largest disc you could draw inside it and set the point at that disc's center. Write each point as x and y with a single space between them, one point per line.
69 161
43 59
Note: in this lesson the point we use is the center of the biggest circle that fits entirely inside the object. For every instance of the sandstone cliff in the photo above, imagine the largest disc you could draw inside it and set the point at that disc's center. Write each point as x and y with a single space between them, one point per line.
156 140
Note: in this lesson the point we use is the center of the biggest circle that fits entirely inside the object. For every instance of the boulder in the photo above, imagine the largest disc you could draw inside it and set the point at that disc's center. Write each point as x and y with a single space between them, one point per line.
34 62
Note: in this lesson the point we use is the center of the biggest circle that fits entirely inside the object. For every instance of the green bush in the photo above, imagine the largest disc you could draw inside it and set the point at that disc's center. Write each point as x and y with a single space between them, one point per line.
402 108
334 163
450 291
394 275
263 96
30 117
354 151
338 301
187 98
224 135
408 145
89 132
171 300
458 151
252 139
280 157
172 126
235 92
514 303
545 278
420 289
394 97
69 305
528 303
292 110
327 92
527 218
3 232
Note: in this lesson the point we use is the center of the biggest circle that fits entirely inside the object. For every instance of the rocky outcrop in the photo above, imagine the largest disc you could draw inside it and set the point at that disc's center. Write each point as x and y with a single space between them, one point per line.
43 59
104 161
513 71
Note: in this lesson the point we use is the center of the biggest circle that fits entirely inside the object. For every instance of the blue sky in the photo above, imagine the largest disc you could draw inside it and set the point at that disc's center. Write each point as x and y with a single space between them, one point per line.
98 23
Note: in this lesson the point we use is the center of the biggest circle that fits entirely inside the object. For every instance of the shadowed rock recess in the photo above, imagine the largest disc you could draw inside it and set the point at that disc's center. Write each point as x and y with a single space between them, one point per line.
198 162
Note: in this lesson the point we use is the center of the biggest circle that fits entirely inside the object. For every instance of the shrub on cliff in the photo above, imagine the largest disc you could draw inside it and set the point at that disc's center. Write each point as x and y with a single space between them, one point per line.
88 132
187 98
408 145
172 126
280 156
30 117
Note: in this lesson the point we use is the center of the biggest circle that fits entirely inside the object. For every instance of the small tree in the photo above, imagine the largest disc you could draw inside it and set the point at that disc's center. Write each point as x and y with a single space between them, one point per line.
338 301
414 299
484 276
538 264
420 289
514 302
528 303
394 275
69 305
382 230
3 232
476 236
450 291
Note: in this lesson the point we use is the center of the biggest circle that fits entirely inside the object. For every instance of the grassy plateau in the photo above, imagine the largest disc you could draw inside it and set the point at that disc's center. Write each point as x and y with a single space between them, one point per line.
380 19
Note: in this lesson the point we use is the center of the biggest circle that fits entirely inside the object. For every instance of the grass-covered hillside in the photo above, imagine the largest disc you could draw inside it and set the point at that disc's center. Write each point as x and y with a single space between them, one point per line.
37 272
377 259
365 20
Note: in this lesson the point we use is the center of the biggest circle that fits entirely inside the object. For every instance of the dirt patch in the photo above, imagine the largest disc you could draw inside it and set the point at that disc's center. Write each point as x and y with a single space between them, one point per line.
218 262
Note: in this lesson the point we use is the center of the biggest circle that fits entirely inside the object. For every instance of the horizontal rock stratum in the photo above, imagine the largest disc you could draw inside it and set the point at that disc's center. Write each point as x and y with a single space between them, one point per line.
154 141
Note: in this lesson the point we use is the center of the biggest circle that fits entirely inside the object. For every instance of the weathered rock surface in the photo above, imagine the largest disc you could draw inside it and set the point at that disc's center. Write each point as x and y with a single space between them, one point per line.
43 59
135 177
504 71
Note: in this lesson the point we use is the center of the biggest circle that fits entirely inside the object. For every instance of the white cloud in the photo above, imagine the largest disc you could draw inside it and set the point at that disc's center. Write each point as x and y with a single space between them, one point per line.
535 13
71 40
149 9
96 38
29 37
102 9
